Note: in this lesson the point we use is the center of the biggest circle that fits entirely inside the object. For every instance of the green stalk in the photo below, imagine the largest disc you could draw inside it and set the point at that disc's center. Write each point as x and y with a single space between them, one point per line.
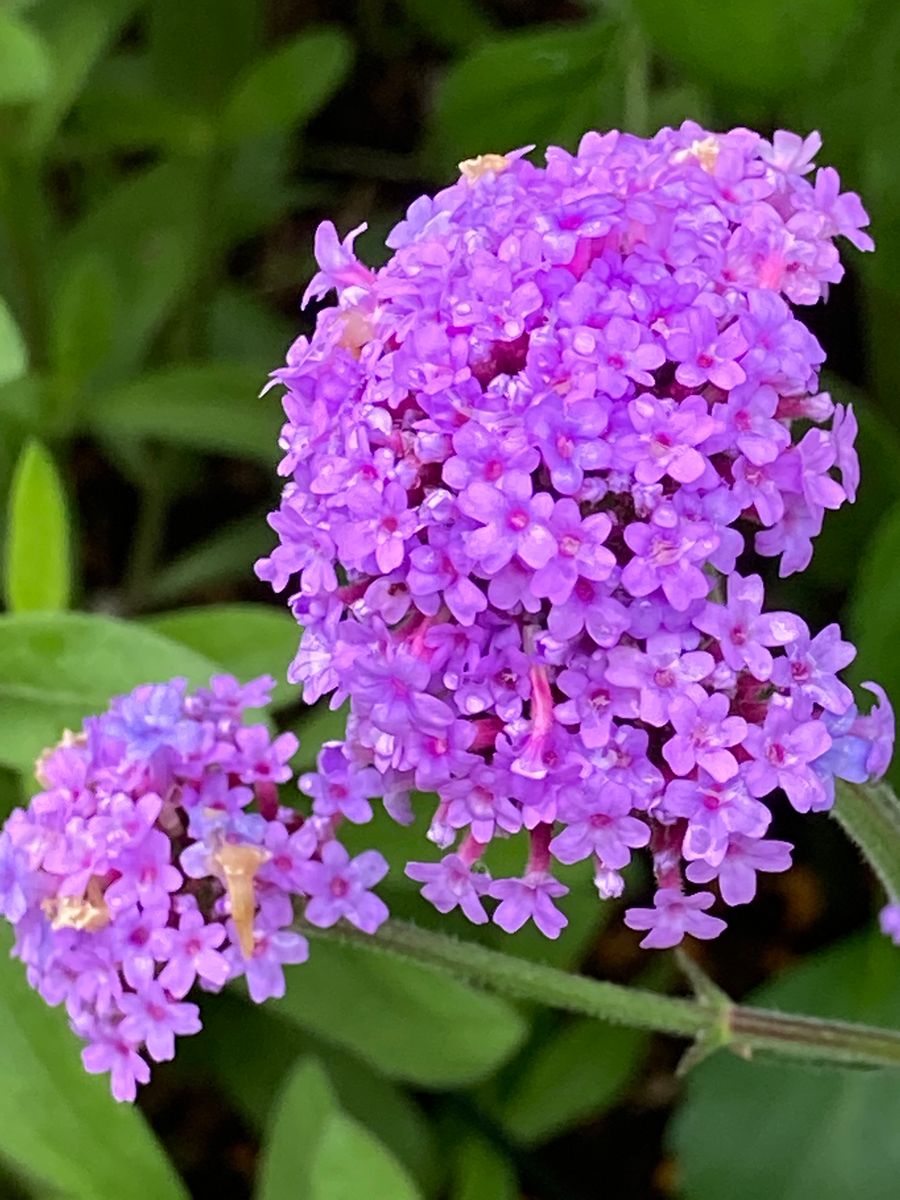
708 1021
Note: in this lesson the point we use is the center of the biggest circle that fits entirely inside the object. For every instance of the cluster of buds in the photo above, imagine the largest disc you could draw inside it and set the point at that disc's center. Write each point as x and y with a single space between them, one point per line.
157 857
527 463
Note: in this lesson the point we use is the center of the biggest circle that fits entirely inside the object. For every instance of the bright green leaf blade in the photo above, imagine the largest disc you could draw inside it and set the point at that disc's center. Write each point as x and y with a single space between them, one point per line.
56 669
60 1125
38 576
247 639
412 1023
25 68
576 1073
348 1162
754 1128
13 351
216 408
304 1106
482 1173
288 86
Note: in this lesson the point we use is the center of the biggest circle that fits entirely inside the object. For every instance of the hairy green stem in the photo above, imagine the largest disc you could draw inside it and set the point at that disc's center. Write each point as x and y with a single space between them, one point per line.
707 1021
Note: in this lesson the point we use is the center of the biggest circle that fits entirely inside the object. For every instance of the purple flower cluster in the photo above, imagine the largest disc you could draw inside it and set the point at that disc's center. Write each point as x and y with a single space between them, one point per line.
523 460
157 857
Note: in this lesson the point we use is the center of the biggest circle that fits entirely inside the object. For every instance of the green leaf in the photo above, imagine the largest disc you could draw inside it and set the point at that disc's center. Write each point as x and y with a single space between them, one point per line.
215 407
821 1134
25 69
482 1173
764 46
56 669
408 1021
61 1127
316 1151
13 352
247 639
76 32
195 55
38 564
227 554
545 86
254 1082
349 1162
83 318
304 1106
288 86
455 24
578 1072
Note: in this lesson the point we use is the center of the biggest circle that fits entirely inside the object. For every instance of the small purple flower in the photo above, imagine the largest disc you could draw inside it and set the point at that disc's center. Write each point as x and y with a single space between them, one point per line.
513 522
672 916
530 898
666 553
714 812
338 886
600 824
811 665
783 750
704 353
736 871
452 883
151 1017
889 922
703 734
192 951
743 631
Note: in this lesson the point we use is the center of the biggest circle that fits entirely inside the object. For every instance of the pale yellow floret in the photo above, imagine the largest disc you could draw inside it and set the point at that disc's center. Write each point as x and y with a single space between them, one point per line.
238 866
474 168
705 150
88 913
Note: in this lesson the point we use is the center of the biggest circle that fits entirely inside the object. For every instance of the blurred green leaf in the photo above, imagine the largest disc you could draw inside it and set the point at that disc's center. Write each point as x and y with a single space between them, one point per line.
315 1151
241 329
578 1072
215 407
318 724
225 555
56 669
25 68
247 639
38 563
254 1082
82 319
76 32
122 108
763 46
481 1173
305 1103
543 86
348 1162
455 24
288 86
146 227
195 54
61 1127
13 351
412 1023
795 1133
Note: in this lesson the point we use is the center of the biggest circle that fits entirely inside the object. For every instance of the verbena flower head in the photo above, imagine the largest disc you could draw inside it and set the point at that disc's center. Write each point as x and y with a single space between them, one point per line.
157 857
527 463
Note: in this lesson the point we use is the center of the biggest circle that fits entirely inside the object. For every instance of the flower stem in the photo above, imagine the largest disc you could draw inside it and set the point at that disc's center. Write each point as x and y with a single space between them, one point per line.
706 1021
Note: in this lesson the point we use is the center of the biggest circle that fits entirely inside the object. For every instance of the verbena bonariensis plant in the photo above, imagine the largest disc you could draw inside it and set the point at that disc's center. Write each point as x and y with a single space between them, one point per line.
524 461
525 457
158 856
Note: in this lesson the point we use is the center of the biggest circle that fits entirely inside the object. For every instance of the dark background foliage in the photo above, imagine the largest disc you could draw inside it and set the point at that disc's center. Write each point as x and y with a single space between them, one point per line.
163 165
